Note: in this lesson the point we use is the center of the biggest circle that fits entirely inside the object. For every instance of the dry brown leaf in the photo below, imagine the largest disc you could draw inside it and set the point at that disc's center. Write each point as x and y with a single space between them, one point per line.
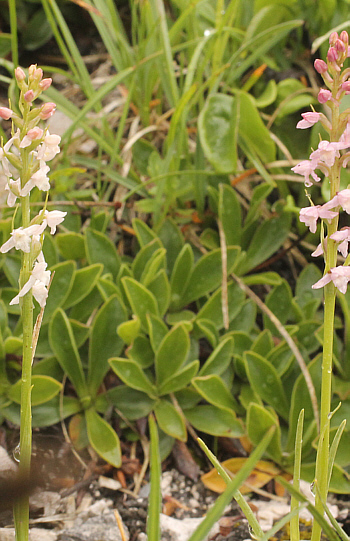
263 472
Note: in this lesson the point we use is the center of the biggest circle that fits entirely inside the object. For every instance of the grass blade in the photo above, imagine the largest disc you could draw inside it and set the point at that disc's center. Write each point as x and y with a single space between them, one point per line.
153 521
294 523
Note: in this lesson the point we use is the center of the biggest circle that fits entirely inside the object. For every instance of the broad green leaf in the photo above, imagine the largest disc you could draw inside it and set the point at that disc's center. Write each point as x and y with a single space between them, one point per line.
102 438
48 367
279 301
51 413
172 240
214 391
179 380
207 274
13 345
141 300
266 382
181 274
141 351
156 330
219 359
83 310
215 421
71 245
259 420
206 328
170 420
253 131
267 239
143 233
132 375
84 281
104 341
304 292
230 214
160 288
265 278
263 344
100 249
145 256
128 330
133 404
268 95
44 389
217 125
212 309
172 353
64 347
11 267
156 263
61 287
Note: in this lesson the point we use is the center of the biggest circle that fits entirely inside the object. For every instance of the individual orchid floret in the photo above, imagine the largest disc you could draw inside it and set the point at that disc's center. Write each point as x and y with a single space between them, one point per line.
32 135
45 83
326 153
310 215
309 119
5 113
14 189
38 179
21 238
20 75
29 96
332 54
305 168
319 249
324 95
53 218
340 276
333 38
49 148
38 282
343 237
341 199
320 66
47 110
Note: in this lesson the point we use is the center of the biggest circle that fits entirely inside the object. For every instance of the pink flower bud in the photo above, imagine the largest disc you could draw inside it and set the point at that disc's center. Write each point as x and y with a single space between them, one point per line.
346 86
324 95
332 55
45 83
333 38
31 69
47 110
339 46
19 74
320 66
29 96
38 74
35 133
344 36
5 113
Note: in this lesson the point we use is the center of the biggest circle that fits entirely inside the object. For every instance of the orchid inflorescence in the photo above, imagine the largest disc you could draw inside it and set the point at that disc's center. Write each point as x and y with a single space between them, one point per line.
24 166
328 159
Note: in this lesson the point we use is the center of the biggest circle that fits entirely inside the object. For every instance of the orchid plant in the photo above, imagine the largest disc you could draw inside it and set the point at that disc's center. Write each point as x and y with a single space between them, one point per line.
329 158
23 168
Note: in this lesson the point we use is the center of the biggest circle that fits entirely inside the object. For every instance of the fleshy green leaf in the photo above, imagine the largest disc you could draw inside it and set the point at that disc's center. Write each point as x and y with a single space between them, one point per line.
207 274
170 420
212 309
61 286
84 281
181 274
215 421
141 300
179 380
230 214
64 347
259 420
266 383
172 353
132 375
214 391
104 341
44 388
100 249
71 245
102 438
219 359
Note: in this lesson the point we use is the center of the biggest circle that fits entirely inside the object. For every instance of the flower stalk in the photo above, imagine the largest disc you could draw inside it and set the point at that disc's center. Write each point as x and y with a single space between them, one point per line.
329 160
23 168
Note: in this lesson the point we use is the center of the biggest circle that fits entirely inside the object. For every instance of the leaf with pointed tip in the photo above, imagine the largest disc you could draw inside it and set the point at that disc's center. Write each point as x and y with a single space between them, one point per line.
103 438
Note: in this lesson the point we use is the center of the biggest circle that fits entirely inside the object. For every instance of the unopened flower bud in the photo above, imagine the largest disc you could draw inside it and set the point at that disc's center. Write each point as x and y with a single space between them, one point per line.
320 66
344 36
38 74
47 110
20 75
29 96
332 55
333 38
45 83
5 113
324 95
346 86
340 46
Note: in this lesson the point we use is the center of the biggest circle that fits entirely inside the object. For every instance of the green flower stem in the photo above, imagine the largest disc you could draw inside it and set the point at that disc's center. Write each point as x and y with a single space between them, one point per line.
21 511
321 473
